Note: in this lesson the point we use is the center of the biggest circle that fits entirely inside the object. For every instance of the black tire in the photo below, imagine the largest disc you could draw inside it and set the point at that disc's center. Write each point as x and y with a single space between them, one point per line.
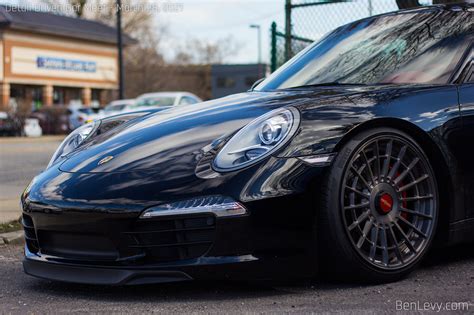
383 205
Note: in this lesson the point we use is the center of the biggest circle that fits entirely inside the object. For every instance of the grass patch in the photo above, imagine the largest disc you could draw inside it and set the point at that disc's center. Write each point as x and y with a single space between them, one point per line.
10 226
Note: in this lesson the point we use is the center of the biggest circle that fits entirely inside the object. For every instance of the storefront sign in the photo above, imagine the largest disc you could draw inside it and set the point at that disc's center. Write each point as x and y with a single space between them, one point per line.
56 65
66 64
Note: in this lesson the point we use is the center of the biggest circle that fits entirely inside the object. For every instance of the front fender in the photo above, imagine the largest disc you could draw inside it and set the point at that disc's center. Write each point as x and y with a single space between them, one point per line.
435 110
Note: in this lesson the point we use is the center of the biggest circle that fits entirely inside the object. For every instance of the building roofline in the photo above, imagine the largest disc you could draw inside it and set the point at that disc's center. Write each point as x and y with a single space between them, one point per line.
8 21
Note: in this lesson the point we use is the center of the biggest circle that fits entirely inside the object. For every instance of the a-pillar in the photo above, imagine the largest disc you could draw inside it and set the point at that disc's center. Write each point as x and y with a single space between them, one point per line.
48 95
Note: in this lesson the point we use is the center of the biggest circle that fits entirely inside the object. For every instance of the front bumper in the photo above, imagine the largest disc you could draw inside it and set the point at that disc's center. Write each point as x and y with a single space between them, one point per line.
87 228
262 245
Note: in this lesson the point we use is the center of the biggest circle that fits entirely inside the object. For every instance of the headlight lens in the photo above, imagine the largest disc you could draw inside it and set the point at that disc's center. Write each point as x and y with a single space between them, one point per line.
74 140
258 139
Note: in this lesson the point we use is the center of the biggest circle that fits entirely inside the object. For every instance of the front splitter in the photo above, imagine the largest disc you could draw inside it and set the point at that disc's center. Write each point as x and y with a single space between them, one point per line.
100 275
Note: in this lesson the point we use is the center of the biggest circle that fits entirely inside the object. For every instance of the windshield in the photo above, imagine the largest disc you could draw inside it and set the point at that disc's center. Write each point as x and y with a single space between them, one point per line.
421 47
114 108
155 101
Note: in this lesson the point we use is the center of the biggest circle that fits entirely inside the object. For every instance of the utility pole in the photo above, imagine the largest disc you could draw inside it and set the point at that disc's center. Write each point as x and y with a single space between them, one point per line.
371 8
288 52
120 50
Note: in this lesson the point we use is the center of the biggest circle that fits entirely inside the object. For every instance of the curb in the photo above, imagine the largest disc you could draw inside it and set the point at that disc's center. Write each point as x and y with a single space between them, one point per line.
15 237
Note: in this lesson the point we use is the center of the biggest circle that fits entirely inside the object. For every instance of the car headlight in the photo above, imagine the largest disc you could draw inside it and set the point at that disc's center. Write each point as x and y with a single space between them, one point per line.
258 139
74 140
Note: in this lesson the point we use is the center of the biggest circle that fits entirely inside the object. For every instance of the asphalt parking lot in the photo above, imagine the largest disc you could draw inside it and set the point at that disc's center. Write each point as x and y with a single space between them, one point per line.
446 277
21 159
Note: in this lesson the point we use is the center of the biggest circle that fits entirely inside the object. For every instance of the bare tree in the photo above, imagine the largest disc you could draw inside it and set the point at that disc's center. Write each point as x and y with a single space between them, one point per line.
138 23
78 6
196 51
66 7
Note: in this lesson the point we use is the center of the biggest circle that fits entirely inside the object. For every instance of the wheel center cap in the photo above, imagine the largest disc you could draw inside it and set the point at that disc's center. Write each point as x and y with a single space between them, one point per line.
384 203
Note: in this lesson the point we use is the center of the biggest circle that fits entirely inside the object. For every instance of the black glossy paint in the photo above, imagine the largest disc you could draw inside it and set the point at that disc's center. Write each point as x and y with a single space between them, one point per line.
80 209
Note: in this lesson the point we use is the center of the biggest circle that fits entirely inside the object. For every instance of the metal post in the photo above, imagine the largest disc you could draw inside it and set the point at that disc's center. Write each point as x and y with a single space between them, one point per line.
371 8
259 38
120 50
273 51
288 52
259 45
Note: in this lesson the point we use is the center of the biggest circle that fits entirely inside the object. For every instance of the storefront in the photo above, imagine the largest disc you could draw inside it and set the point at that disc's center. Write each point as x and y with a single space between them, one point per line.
52 60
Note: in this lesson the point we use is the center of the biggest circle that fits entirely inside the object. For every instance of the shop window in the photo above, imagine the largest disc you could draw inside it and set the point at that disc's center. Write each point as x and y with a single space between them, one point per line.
26 96
66 96
95 98
58 96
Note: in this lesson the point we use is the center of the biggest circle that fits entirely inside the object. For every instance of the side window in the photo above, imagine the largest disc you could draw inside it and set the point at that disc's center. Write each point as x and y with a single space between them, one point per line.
186 100
434 65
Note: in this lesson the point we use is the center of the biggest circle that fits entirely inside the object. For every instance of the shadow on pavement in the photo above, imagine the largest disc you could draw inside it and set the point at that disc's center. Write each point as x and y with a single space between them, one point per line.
444 256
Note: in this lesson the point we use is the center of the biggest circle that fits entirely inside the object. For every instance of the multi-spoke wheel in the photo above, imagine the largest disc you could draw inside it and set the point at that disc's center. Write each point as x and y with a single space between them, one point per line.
383 218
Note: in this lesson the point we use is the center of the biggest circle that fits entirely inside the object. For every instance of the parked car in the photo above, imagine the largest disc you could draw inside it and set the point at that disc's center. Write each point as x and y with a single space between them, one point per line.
353 158
95 113
9 126
116 107
163 100
78 115
53 120
32 128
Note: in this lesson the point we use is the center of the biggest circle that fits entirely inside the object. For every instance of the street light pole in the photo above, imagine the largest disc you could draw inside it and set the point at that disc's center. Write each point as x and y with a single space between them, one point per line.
120 50
259 32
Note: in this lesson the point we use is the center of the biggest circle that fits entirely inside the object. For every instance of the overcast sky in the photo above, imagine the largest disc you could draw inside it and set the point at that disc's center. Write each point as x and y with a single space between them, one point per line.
211 20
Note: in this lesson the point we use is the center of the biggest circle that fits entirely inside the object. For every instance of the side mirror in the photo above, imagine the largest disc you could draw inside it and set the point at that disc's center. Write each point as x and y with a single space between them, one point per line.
256 83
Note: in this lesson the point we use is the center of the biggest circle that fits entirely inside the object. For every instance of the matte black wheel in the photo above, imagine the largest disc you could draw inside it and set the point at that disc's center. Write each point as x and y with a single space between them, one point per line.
383 217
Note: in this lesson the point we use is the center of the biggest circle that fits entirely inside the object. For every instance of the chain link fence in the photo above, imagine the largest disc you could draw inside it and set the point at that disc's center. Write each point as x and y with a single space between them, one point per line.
278 42
309 20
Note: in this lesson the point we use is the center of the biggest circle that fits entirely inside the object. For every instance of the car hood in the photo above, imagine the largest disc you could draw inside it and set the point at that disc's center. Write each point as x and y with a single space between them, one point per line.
174 139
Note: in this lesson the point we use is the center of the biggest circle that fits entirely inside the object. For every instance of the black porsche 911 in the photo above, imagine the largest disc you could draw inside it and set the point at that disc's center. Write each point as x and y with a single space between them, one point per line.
355 158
